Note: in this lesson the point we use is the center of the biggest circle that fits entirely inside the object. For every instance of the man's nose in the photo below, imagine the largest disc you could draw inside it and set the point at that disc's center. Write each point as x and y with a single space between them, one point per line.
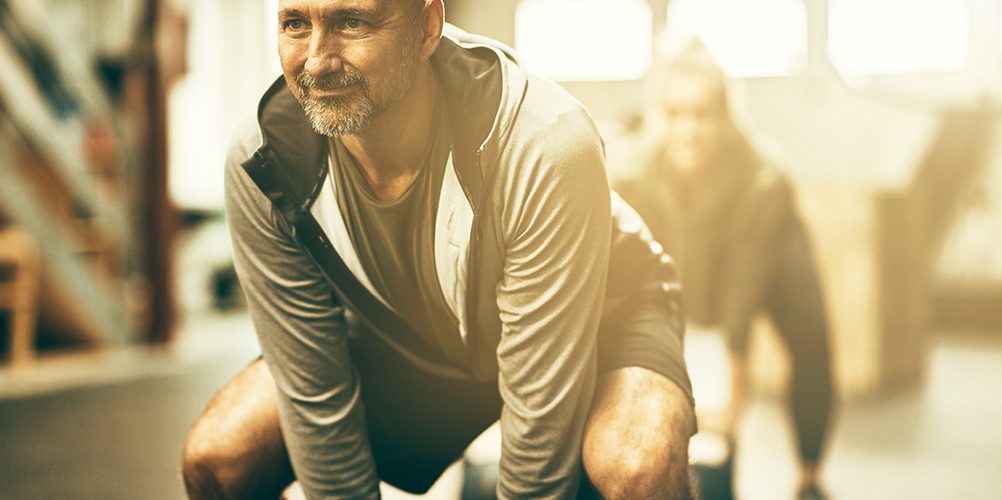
685 128
325 54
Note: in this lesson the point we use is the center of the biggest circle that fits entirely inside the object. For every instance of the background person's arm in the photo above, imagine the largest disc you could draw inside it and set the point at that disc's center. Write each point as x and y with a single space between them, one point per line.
557 226
752 254
304 341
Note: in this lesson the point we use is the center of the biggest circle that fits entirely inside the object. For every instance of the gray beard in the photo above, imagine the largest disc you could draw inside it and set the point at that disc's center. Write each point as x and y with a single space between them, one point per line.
332 116
337 115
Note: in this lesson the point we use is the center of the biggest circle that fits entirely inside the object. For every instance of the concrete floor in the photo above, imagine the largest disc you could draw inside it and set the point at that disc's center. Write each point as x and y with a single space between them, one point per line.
940 440
110 426
110 440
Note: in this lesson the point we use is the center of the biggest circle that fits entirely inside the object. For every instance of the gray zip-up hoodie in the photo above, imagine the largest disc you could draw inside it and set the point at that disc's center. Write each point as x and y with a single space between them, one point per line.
524 234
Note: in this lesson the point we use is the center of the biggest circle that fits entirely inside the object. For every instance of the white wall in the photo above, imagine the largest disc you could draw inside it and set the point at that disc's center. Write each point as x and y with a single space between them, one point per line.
232 58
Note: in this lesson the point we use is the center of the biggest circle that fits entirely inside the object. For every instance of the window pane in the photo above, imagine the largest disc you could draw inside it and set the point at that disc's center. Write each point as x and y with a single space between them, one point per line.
898 36
573 40
761 38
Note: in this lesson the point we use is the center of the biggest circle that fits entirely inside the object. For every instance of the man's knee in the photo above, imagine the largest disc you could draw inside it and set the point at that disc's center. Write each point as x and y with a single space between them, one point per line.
209 468
621 474
198 470
629 470
235 448
636 442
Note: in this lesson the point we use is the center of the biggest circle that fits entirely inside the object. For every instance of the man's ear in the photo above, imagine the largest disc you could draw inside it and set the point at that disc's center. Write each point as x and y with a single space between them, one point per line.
433 19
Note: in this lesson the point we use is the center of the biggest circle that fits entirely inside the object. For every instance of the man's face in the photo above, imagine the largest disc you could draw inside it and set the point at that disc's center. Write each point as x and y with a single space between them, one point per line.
347 61
696 121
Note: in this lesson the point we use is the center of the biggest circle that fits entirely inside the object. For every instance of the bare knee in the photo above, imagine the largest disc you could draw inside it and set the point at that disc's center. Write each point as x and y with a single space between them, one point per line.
208 468
235 448
633 477
198 470
636 440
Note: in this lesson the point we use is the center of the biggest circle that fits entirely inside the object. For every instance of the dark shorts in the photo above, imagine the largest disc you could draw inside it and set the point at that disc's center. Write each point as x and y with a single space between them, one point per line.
420 423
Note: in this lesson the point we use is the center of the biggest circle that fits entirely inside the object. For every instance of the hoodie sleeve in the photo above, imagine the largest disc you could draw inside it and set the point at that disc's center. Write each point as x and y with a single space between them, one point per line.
303 337
557 225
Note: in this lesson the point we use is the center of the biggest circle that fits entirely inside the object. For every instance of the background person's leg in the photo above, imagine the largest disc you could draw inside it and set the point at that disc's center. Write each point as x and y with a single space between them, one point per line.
235 448
797 308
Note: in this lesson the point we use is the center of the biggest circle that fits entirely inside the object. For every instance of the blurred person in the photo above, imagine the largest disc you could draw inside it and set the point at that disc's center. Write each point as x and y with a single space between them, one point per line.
427 241
728 216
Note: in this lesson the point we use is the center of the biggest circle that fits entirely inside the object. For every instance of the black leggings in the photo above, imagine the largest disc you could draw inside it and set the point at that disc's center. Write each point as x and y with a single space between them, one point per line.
795 303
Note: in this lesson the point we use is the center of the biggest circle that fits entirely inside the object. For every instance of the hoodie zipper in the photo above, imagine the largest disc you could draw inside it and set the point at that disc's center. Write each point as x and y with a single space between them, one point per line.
473 295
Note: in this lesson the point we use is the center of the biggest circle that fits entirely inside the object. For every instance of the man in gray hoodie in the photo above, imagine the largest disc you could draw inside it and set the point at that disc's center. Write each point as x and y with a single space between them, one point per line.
427 242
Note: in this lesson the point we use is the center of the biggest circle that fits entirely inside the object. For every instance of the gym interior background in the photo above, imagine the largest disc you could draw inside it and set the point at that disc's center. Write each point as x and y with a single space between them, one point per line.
120 314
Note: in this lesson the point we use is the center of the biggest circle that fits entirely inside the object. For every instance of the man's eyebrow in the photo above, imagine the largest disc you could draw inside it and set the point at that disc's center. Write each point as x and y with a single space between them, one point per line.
338 13
290 12
356 12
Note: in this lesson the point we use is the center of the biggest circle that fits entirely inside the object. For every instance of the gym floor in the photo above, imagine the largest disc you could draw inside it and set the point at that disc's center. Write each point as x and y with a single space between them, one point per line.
110 426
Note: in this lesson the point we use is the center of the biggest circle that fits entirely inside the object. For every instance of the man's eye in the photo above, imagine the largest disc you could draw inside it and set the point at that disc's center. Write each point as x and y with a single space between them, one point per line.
353 23
294 24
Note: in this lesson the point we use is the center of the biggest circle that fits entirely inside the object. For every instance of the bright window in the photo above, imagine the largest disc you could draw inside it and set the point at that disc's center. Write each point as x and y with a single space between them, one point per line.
868 37
575 40
760 38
